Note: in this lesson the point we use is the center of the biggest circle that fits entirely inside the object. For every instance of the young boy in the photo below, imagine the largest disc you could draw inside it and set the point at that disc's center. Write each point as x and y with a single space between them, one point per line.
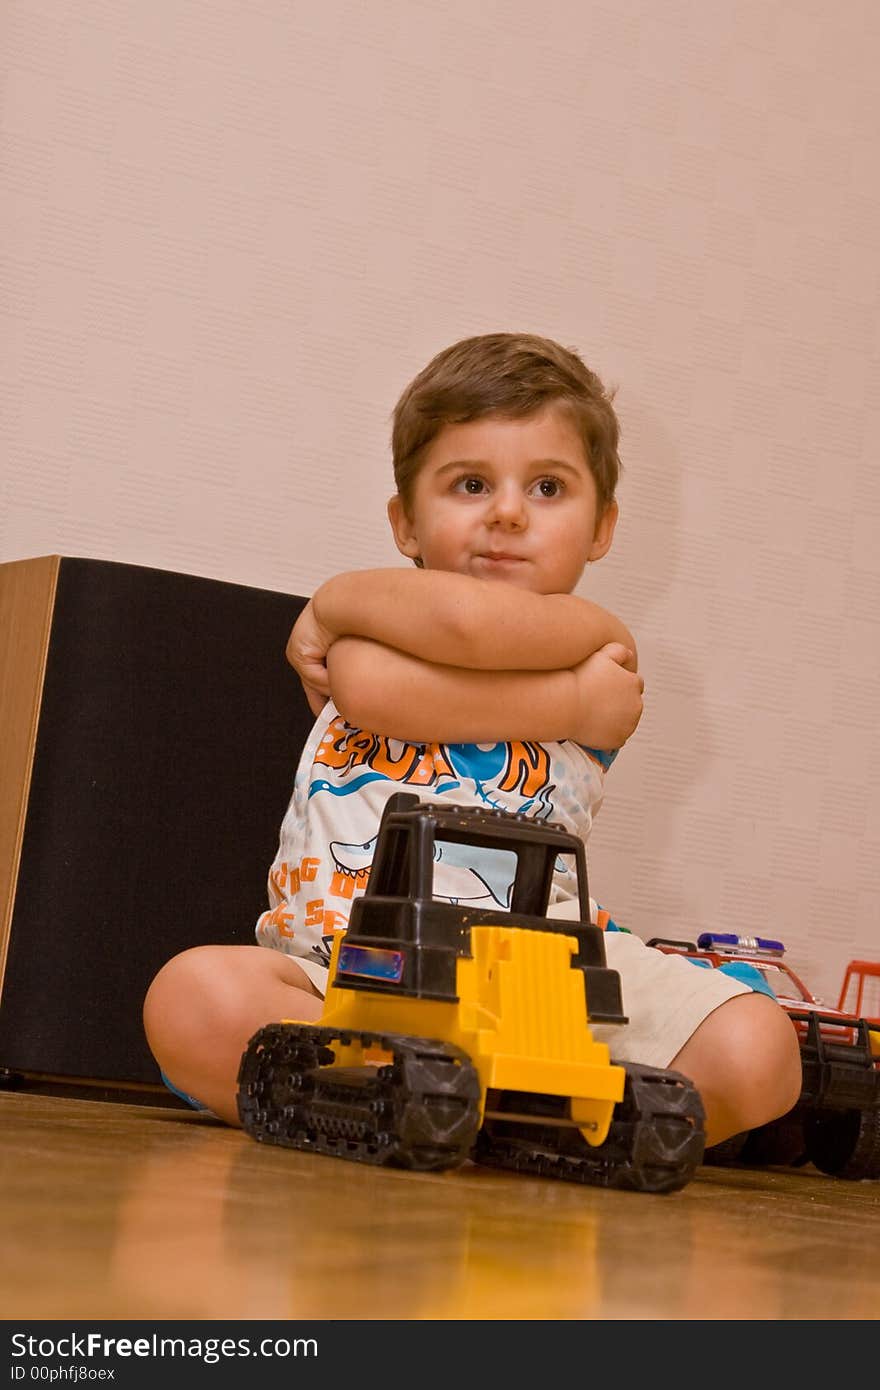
480 677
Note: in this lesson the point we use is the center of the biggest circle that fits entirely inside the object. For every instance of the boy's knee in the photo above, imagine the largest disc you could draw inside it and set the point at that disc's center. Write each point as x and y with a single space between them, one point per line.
764 1050
775 1058
211 992
180 995
745 1060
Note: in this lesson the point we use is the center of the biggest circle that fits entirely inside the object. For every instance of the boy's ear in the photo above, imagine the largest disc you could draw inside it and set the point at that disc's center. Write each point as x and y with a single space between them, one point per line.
604 533
402 527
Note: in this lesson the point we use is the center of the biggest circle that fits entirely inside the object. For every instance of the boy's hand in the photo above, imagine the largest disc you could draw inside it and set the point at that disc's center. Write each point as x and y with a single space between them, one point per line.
610 697
307 649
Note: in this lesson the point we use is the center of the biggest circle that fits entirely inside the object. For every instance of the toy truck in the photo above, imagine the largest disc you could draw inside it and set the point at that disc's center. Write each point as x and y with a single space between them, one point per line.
454 1032
836 1122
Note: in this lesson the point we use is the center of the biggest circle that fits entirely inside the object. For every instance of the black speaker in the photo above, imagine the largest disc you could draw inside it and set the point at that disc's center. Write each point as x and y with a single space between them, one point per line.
150 729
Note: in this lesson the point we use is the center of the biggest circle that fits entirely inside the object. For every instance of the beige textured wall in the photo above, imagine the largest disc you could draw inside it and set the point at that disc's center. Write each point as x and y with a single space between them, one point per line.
232 231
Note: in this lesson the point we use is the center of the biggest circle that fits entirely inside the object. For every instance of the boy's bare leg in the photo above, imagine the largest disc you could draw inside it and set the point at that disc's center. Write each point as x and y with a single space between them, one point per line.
205 1005
745 1061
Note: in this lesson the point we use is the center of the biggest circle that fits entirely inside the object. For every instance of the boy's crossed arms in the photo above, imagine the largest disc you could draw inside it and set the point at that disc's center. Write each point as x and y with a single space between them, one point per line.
431 656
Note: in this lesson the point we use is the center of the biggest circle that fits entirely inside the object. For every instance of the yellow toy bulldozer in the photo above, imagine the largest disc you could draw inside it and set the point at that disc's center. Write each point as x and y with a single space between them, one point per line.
453 1032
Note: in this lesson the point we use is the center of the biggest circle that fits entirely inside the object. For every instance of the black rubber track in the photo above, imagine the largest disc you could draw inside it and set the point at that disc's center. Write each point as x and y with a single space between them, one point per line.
655 1143
420 1110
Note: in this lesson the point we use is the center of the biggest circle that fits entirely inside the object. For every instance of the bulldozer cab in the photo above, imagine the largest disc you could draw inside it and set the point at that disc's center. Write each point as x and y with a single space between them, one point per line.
503 861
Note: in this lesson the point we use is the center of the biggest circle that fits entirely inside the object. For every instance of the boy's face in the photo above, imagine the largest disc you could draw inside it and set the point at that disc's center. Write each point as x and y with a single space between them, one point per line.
506 499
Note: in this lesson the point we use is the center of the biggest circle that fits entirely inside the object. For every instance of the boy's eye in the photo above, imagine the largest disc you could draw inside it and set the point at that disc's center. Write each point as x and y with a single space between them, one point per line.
549 487
471 485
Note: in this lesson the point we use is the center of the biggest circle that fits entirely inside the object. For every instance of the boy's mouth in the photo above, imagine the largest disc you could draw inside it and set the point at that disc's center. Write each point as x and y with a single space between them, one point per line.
513 569
503 568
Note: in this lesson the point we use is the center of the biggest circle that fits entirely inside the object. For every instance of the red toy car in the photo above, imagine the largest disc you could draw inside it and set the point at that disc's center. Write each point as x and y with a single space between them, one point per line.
857 975
836 1122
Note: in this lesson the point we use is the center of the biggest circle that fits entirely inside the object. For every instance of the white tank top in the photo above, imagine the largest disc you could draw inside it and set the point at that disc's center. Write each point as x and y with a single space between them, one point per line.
344 778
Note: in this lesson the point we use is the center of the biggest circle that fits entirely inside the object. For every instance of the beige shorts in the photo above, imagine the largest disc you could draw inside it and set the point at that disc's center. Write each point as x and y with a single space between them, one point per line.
665 997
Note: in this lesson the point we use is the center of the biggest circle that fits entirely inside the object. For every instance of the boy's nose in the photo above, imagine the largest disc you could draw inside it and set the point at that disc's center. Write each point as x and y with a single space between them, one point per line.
507 508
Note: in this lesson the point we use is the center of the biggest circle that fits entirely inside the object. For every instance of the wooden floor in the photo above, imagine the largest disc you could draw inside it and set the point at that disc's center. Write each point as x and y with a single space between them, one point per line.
119 1211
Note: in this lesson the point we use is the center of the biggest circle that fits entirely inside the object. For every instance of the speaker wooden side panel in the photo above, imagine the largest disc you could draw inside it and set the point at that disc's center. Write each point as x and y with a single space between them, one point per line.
27 597
168 731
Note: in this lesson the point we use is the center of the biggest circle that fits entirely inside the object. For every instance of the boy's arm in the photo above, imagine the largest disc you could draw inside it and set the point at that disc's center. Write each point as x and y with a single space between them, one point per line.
374 687
456 620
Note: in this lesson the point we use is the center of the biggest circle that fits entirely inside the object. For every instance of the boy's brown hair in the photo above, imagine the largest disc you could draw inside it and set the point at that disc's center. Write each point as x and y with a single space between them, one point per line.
510 375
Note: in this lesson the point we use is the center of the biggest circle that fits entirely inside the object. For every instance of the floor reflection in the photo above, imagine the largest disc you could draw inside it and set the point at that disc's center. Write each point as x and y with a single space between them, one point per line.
112 1213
